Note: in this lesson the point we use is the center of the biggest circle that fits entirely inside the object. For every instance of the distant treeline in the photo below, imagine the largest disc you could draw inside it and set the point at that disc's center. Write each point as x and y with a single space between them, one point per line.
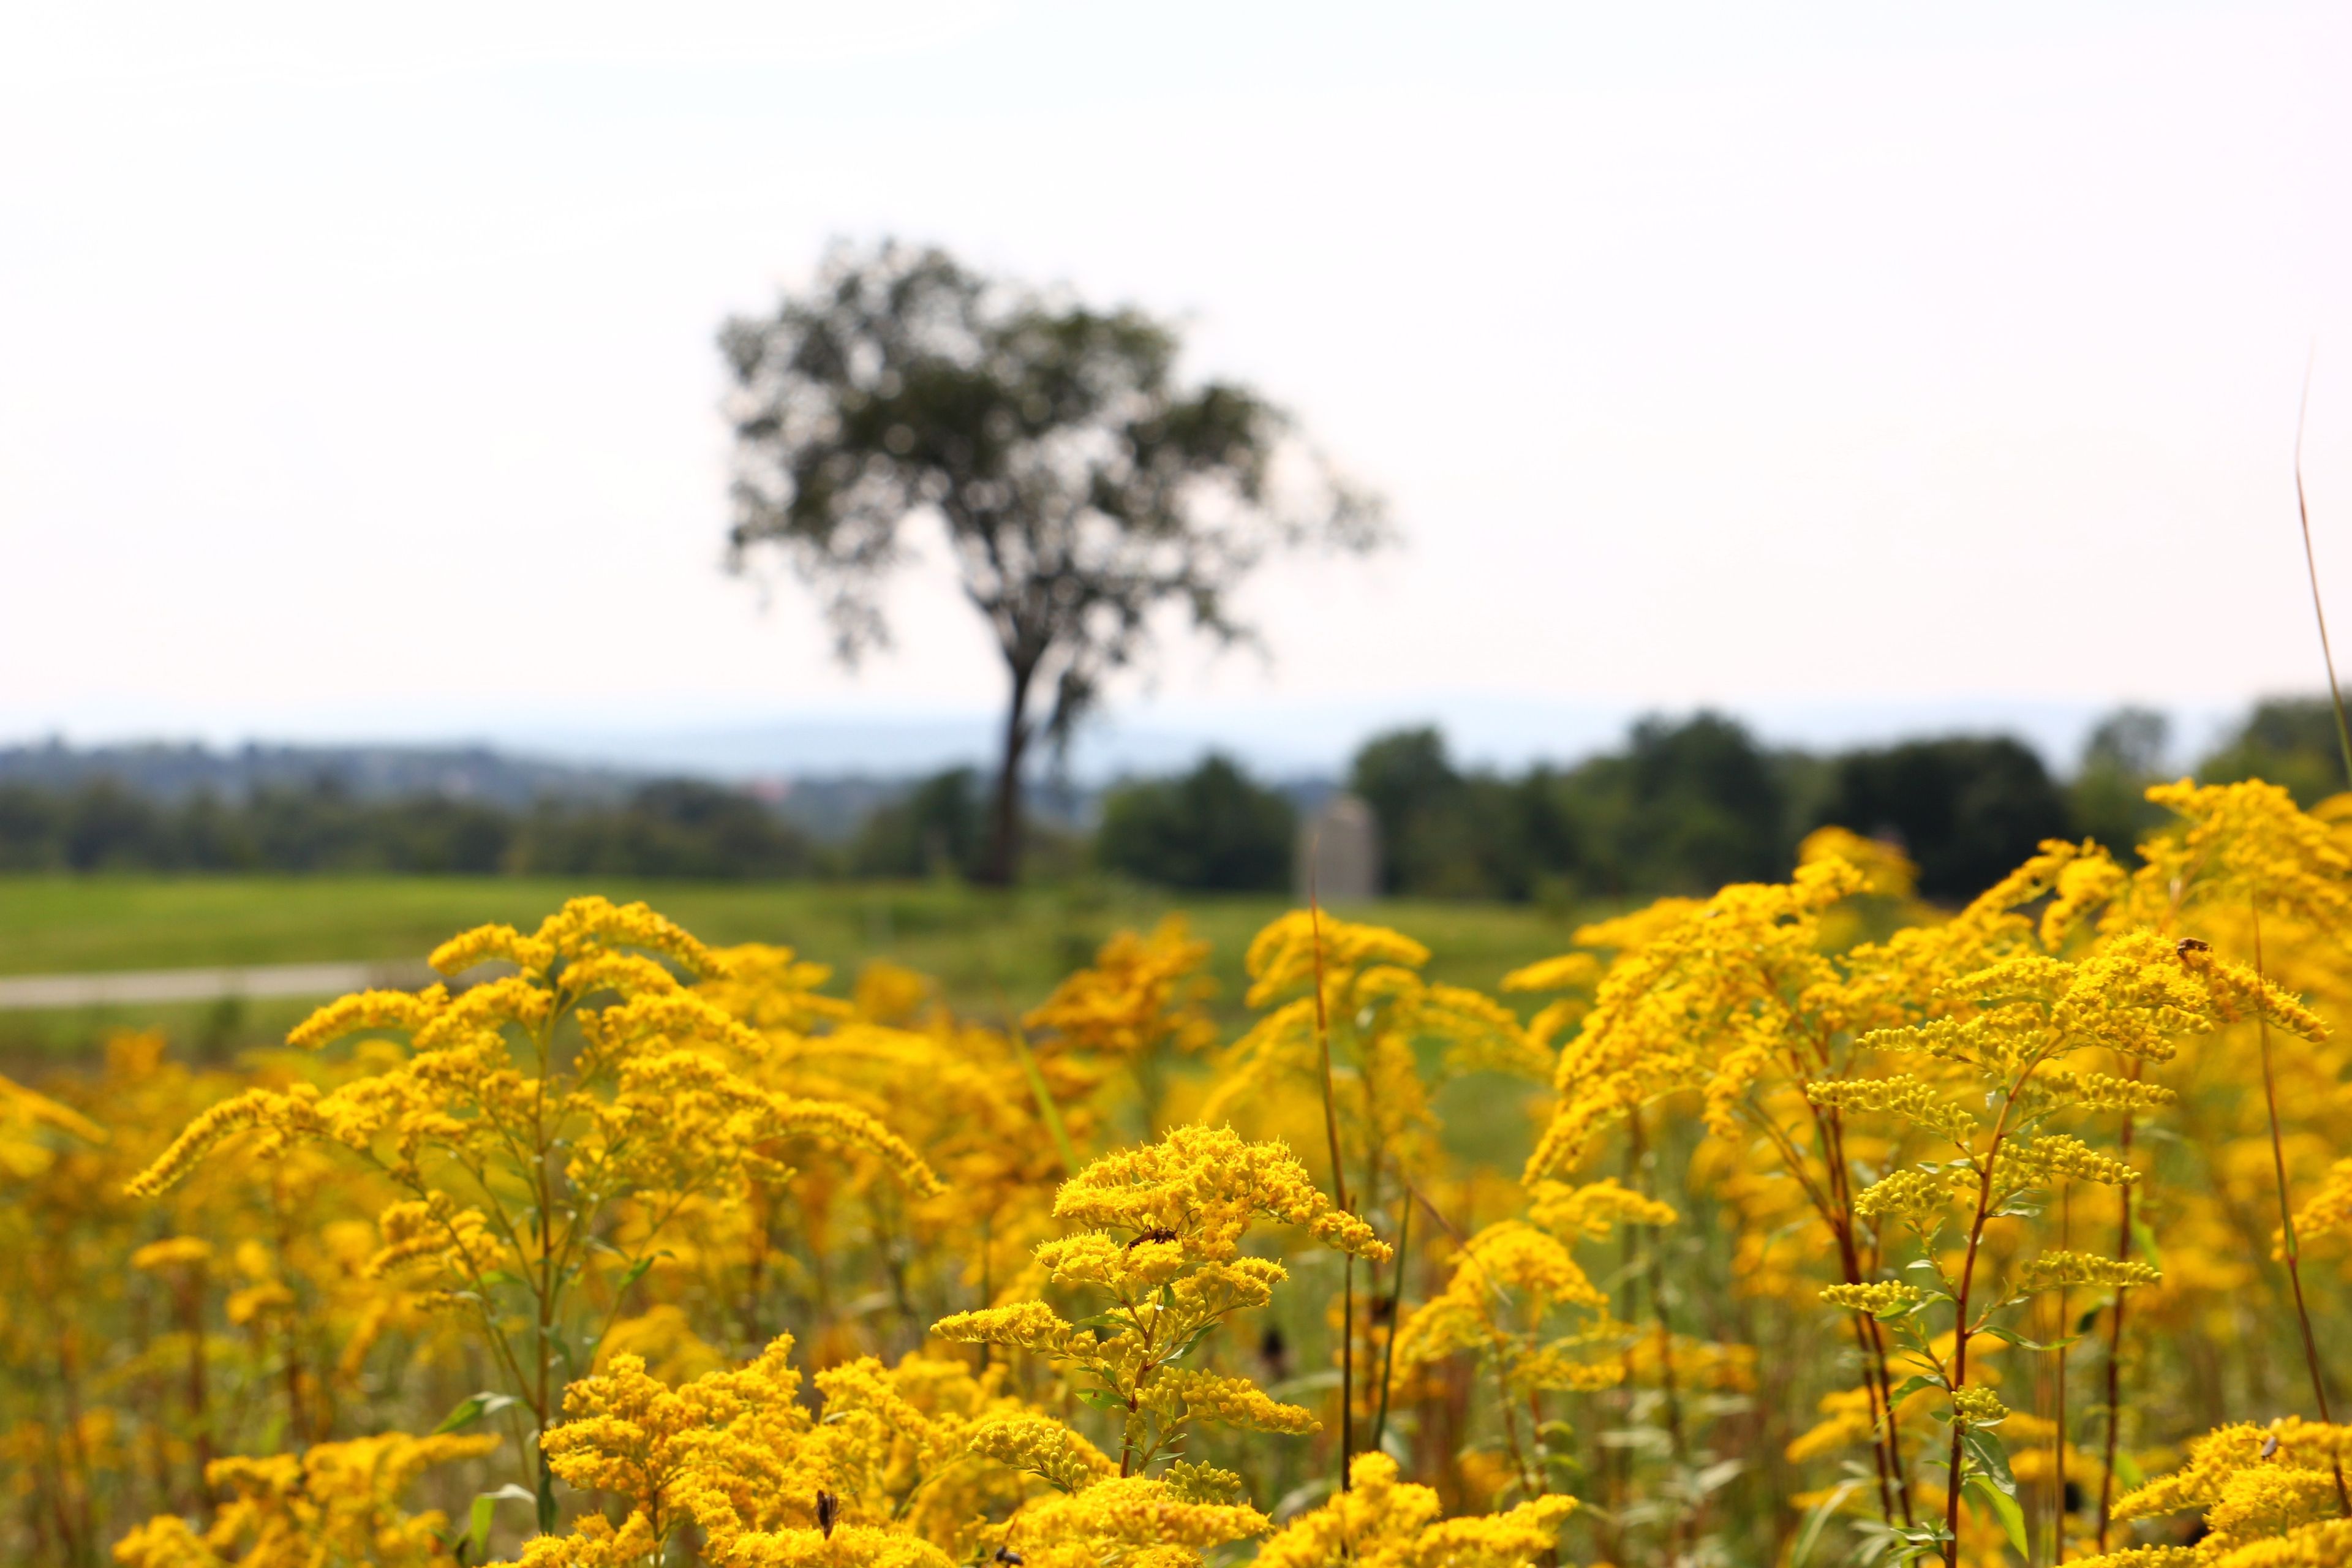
669 828
1684 806
1689 805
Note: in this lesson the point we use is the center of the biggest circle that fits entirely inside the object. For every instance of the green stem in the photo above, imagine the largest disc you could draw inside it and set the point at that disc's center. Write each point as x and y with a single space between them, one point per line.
1047 1111
1340 1193
1396 1305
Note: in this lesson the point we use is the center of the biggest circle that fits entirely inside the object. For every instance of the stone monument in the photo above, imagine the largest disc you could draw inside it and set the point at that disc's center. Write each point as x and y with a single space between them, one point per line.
1338 855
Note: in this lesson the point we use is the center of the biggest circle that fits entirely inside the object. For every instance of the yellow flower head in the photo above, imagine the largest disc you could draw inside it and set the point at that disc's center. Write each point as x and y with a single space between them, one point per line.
1203 1186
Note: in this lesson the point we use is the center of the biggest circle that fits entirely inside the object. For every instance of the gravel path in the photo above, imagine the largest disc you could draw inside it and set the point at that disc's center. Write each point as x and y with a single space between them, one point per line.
24 993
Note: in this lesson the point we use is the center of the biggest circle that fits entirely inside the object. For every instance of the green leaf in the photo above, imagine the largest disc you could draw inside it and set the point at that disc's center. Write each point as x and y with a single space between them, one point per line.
637 1270
2005 1508
1992 1459
1047 1111
1909 1386
2145 1239
2127 1470
473 1409
486 1504
1820 1516
1196 1337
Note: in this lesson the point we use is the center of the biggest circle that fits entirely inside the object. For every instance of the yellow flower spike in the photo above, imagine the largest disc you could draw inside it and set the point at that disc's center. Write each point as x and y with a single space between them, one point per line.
399 1010
1184 1394
1917 1102
1569 972
585 926
774 988
1885 869
668 1018
1850 1418
1506 1280
2234 843
173 1252
1594 1211
1915 1196
1206 1184
1283 955
1872 1296
1023 1325
22 1110
436 1231
1678 1008
1384 1523
2084 884
1042 1446
490 943
289 1114
2238 993
2058 1155
1140 992
2330 1208
2054 1269
335 1502
1134 1511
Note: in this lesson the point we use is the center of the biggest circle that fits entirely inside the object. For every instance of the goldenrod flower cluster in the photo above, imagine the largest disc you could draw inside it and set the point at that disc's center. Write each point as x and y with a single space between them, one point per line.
1876 1298
2050 1269
336 1502
1800 1220
1384 1521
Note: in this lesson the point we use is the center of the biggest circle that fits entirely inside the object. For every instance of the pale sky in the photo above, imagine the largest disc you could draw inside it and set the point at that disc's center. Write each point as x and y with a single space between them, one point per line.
357 377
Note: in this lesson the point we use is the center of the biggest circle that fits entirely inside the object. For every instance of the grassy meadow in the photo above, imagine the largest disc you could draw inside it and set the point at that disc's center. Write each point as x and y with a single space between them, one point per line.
982 948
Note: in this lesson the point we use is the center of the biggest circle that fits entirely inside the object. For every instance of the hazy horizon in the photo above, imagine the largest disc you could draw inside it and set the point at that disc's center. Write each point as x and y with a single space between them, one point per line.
1274 738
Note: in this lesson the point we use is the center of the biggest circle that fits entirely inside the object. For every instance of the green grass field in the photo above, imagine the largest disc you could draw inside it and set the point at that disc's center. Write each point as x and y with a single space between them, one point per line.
986 949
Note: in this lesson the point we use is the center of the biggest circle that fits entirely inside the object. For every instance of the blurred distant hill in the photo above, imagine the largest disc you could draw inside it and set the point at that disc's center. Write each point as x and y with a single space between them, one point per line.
171 773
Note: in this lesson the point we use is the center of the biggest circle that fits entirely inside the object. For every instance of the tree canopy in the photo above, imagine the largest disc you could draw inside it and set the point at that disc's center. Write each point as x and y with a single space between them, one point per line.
1080 482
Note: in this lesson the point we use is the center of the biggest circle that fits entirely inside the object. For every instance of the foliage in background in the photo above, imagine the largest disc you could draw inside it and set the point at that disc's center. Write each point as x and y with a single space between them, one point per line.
1684 808
1211 830
1085 490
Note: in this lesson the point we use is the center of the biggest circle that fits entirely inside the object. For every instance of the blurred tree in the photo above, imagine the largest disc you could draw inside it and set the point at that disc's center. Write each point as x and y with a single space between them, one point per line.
1707 808
2289 740
1966 810
212 835
1685 808
107 827
1081 487
671 827
1213 829
2124 755
1446 834
1429 841
934 831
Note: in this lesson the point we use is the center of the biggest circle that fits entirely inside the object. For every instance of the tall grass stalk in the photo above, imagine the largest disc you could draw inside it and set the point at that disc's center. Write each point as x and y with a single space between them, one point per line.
2286 1218
2311 567
1338 1194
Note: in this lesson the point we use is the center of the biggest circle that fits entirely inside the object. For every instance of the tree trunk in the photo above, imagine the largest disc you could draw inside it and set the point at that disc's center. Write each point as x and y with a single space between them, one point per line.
1001 866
